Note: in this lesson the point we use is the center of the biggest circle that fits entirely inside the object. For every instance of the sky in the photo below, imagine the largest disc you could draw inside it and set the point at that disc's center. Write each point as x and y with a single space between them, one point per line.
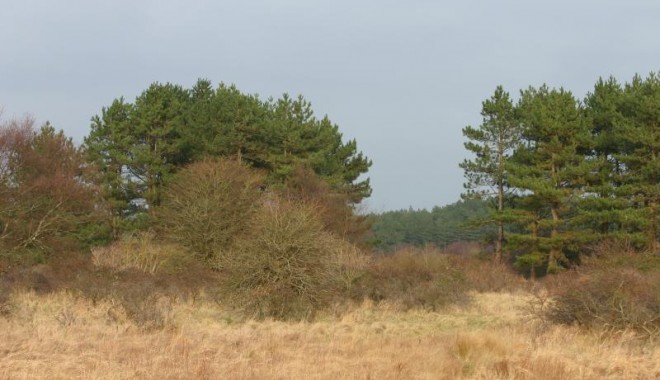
401 77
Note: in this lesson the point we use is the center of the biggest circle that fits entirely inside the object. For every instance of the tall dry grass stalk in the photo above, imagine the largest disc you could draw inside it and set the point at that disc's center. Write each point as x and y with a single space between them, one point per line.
61 336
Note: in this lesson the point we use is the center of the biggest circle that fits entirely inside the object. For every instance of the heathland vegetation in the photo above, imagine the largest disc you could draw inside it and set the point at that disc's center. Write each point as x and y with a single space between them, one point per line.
204 233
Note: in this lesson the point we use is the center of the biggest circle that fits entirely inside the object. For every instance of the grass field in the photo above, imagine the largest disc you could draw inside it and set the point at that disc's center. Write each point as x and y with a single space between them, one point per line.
60 336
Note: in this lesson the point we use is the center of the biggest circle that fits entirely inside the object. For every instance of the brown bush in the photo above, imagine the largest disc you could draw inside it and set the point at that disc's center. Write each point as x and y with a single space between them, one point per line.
353 268
465 249
484 275
412 278
140 296
614 292
208 204
5 302
334 208
46 196
286 268
149 310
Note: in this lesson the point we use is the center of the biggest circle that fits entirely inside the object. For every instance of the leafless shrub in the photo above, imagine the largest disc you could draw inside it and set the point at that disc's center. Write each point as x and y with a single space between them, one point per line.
286 268
208 204
335 208
484 275
416 278
149 311
46 194
617 300
5 301
353 266
615 291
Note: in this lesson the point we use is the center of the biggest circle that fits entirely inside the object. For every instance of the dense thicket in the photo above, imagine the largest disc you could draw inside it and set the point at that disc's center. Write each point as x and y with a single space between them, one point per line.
578 172
139 146
440 226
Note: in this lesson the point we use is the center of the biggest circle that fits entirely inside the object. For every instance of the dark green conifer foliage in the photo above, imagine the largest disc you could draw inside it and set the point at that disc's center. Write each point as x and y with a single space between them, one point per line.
108 147
600 209
492 143
139 145
300 139
158 119
640 138
549 170
441 226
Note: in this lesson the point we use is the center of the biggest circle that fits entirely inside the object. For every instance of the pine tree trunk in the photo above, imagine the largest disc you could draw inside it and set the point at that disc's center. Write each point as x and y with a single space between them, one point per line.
500 202
535 235
498 243
653 231
604 194
553 259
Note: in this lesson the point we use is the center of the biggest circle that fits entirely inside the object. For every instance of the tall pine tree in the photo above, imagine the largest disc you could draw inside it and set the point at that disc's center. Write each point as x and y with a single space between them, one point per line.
492 143
600 209
549 170
640 136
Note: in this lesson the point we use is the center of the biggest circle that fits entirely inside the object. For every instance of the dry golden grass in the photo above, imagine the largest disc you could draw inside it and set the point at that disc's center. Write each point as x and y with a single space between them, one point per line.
60 336
141 252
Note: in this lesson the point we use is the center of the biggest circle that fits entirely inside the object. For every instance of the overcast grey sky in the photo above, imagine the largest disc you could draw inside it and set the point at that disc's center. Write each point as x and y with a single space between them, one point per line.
401 77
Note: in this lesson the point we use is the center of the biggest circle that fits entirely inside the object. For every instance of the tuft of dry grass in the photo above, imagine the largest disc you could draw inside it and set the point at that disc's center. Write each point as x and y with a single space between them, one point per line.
62 336
141 252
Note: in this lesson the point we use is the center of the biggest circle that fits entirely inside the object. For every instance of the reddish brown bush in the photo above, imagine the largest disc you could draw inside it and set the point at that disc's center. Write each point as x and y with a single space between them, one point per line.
415 278
612 291
333 208
46 196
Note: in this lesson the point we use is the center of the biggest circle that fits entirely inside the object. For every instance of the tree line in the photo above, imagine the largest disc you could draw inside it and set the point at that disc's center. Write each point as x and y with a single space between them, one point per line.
53 192
441 226
138 146
564 173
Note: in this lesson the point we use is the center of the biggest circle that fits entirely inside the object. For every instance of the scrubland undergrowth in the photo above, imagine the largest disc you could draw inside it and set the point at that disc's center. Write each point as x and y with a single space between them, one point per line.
125 323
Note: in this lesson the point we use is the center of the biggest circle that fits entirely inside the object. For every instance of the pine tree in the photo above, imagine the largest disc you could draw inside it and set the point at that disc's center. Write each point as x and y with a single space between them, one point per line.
158 119
300 139
492 143
549 170
108 146
600 209
640 137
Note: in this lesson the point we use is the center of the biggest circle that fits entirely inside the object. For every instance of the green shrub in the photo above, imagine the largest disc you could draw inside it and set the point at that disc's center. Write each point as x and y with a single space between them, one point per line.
286 268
